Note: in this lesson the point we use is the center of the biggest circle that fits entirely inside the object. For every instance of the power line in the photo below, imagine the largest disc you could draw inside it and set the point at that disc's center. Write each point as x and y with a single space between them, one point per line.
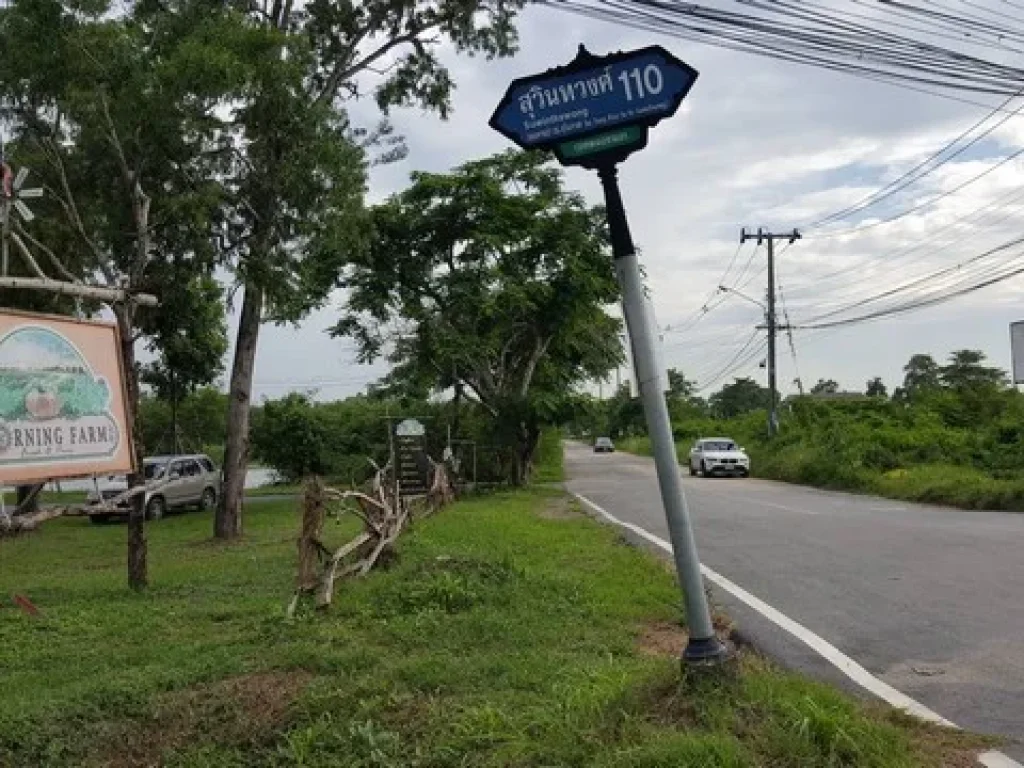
921 303
823 39
925 204
921 280
731 365
888 259
912 176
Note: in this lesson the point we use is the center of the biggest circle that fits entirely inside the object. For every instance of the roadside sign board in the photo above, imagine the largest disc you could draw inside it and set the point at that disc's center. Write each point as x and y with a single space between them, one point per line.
596 109
62 404
1017 350
412 457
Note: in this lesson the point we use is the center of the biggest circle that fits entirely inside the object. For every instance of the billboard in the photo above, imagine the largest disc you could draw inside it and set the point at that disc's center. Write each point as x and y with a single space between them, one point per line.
62 402
1017 350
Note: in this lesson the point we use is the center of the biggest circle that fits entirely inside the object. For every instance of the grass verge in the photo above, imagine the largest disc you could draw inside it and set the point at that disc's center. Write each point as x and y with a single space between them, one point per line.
550 463
511 631
944 484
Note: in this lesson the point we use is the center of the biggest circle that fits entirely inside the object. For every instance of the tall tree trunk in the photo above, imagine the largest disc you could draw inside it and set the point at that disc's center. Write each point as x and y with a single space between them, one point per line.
526 445
138 570
228 521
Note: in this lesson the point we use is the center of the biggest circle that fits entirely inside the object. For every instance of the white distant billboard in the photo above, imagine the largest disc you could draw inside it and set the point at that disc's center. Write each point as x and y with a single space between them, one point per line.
1017 350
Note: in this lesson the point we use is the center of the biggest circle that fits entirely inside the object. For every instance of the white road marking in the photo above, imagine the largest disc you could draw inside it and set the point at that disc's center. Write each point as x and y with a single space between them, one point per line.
826 650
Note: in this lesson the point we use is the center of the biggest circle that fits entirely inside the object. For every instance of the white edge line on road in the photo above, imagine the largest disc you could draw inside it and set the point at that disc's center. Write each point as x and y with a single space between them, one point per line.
826 650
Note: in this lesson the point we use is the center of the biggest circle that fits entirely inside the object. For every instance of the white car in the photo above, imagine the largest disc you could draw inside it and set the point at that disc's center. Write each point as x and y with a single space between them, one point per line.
718 456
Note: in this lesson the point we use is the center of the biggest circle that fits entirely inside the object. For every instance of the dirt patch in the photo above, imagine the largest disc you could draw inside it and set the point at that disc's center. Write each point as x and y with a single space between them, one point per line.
662 638
238 711
562 508
938 746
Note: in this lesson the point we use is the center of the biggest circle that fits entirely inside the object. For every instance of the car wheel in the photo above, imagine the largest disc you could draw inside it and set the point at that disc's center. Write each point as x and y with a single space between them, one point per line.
689 466
156 508
208 500
704 470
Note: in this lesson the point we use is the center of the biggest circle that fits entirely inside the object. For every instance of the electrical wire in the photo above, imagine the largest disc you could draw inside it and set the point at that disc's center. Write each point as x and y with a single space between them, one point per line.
920 206
921 303
823 39
724 370
888 259
917 282
912 176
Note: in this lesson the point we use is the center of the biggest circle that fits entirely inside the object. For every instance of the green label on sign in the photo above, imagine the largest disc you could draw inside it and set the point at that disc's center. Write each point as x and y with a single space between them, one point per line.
601 142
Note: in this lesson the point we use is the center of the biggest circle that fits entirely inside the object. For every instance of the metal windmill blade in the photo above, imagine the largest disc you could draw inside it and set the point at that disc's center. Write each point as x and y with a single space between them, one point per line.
23 209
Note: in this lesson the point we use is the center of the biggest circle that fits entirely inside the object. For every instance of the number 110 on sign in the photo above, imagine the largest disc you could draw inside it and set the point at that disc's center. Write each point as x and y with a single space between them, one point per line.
649 82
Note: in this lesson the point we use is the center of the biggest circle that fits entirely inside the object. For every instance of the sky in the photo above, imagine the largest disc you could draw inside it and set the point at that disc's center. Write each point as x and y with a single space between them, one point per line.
757 143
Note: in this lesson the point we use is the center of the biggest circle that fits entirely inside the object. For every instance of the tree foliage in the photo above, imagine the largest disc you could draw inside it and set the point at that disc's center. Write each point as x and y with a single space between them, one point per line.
296 186
921 375
876 387
825 387
742 396
493 277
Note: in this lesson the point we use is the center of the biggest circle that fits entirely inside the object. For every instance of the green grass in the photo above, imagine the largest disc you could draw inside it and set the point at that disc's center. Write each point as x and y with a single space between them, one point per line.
550 462
944 484
505 634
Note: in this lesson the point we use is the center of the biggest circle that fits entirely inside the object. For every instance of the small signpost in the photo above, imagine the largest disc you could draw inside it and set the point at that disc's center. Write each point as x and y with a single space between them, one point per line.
412 457
595 112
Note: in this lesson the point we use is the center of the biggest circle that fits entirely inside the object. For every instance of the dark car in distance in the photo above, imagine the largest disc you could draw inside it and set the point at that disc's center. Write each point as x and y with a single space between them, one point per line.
604 445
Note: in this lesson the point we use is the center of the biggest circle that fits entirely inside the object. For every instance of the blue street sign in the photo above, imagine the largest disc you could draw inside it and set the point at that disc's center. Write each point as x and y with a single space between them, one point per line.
592 96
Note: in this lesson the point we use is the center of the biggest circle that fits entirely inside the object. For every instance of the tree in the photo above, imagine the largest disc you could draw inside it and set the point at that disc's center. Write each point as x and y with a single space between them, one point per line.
965 372
679 386
921 375
876 387
493 276
742 396
112 109
296 167
291 437
189 338
825 387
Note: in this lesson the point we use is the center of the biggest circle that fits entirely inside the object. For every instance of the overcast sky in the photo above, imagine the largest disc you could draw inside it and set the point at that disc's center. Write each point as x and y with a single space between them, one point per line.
757 143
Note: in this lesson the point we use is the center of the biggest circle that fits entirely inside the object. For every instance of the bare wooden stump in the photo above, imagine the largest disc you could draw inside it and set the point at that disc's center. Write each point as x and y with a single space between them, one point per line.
384 516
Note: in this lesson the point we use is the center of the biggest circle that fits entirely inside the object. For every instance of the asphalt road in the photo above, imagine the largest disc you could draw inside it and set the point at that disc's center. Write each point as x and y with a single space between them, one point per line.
930 600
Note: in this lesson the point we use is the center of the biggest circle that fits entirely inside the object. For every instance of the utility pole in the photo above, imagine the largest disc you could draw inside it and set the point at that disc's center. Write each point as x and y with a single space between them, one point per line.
769 238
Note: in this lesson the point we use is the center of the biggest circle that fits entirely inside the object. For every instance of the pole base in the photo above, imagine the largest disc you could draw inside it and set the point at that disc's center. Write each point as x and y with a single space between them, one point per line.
705 652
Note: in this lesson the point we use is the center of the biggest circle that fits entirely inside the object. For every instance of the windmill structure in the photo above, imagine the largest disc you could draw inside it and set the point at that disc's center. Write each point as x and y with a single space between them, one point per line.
14 214
13 195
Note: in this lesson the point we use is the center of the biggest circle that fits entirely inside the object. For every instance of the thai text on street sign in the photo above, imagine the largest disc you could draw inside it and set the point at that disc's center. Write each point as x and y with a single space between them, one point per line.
62 404
596 108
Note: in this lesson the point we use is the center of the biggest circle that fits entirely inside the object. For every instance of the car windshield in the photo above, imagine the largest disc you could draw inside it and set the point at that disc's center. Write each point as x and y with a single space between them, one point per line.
719 445
154 470
604 441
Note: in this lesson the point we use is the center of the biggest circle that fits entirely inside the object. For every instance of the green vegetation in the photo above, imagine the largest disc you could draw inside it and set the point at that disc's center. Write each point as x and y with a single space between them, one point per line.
511 631
501 292
550 466
952 434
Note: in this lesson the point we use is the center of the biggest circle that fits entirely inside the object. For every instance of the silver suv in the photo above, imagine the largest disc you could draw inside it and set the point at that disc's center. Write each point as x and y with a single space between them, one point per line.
172 482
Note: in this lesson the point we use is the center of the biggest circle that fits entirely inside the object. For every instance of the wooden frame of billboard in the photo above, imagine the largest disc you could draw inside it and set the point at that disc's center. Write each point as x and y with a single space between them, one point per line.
129 426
